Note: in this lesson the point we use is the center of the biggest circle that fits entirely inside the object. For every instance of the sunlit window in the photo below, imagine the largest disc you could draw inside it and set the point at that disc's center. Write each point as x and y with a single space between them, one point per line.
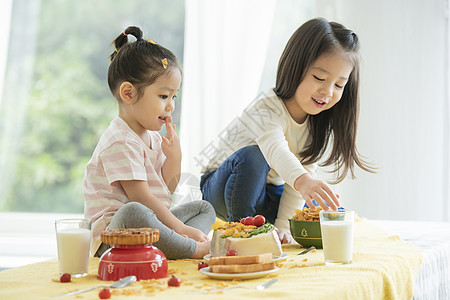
55 102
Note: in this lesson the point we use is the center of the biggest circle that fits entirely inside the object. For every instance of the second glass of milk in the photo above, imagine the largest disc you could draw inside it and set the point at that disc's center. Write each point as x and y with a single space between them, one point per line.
337 236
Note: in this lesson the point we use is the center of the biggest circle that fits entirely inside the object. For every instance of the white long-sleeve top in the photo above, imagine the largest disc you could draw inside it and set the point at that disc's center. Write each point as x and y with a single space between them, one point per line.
267 123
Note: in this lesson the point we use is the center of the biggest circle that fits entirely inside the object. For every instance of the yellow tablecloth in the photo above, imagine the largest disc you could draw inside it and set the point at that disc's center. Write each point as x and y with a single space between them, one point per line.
383 267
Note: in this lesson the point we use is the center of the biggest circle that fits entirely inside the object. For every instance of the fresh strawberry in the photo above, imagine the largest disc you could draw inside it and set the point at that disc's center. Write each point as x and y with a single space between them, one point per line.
174 281
65 277
105 293
202 265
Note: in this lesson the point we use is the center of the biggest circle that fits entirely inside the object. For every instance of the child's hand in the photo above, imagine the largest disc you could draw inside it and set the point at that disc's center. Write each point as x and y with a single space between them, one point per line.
314 189
193 233
285 238
170 144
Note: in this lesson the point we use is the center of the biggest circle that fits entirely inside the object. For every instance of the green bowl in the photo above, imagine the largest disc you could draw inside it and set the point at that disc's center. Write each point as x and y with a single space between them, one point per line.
306 233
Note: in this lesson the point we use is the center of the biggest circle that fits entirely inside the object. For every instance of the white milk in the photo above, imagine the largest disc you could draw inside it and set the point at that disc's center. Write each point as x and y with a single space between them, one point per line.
73 250
337 240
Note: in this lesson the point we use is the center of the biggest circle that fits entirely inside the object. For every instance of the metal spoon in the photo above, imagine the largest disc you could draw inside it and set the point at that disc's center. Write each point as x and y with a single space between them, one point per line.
307 250
126 281
266 285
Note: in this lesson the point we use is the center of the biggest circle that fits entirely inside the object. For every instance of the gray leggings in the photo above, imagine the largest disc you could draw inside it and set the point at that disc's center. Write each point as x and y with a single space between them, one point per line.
198 214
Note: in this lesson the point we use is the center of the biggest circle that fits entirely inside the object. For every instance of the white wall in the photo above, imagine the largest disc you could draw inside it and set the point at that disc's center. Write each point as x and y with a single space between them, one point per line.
403 125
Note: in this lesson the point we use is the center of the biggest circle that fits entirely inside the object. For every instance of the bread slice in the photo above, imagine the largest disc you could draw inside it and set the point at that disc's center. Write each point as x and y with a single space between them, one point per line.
241 260
242 268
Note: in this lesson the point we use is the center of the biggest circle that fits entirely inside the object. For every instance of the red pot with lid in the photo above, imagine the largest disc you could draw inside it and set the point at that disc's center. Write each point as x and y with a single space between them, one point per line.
132 255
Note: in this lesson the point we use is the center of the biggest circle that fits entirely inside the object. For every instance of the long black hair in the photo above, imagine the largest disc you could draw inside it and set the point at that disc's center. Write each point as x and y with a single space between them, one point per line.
313 39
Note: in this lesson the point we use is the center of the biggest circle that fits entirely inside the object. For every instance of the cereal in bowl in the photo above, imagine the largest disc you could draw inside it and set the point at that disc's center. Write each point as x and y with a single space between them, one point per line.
307 214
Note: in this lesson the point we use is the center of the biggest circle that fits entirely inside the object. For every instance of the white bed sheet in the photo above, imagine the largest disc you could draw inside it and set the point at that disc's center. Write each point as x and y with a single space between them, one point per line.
433 238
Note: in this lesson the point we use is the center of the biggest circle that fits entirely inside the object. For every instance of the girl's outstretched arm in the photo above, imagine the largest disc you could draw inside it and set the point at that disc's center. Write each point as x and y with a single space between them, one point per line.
138 191
171 148
314 189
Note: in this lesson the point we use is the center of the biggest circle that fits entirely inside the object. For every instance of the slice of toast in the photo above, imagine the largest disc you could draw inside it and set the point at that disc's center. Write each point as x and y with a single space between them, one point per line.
241 260
242 268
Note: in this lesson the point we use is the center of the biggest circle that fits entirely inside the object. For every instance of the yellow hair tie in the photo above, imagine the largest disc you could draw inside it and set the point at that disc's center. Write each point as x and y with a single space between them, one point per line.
153 42
164 63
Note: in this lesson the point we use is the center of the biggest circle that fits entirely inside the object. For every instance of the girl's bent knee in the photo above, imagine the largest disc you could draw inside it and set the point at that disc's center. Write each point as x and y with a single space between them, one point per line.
205 208
134 210
209 210
133 207
251 157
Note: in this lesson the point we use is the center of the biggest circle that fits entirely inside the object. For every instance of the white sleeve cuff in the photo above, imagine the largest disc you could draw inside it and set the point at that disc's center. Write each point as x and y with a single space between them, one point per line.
282 225
290 201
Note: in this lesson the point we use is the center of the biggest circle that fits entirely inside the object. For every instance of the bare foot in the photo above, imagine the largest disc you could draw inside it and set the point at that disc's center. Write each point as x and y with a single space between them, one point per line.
202 249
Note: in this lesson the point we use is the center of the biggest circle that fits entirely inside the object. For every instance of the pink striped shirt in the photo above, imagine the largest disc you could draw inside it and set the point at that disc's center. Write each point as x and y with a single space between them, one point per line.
120 155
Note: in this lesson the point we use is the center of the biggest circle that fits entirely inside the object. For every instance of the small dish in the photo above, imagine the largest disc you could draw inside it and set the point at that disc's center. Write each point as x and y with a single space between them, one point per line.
283 256
230 276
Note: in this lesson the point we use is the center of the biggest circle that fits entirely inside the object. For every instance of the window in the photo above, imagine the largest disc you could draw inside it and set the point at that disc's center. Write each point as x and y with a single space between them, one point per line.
56 102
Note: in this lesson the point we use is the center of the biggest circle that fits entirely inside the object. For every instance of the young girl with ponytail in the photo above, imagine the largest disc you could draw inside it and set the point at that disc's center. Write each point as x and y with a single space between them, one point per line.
133 171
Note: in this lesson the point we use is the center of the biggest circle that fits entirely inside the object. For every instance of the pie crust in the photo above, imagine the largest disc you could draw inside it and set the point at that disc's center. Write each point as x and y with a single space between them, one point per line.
130 236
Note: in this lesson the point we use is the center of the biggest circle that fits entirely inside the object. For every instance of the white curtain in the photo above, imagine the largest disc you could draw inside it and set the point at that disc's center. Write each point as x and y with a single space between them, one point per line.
225 50
5 23
404 118
16 82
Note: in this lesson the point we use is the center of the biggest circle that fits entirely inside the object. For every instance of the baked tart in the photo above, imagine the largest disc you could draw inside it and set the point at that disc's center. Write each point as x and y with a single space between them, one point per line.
130 236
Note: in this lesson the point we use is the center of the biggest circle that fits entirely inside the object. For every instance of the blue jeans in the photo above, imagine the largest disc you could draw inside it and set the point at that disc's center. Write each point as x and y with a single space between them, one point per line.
239 188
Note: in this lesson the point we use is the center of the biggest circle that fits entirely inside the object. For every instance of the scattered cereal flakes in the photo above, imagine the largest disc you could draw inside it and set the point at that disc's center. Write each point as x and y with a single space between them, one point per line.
55 280
305 259
203 285
223 284
297 266
126 292
183 273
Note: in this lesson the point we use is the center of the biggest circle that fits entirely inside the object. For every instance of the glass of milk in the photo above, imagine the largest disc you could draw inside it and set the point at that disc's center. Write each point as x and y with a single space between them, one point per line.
73 238
337 236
